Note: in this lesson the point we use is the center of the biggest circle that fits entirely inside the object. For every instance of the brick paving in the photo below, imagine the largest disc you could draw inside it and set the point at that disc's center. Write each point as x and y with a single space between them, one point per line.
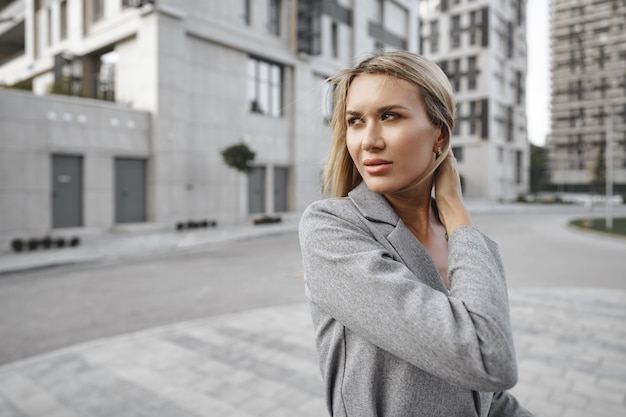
571 348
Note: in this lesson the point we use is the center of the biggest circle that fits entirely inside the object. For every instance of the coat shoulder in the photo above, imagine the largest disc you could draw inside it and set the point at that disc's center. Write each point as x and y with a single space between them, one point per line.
326 209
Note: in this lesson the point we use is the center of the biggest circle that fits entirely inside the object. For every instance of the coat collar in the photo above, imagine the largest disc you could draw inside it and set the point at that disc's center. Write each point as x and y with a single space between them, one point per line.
375 207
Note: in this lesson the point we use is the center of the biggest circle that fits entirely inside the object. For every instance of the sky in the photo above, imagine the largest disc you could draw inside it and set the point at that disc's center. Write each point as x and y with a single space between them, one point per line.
538 78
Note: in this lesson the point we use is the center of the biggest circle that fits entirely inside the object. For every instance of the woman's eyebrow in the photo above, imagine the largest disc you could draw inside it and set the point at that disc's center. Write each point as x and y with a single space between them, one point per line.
391 107
380 110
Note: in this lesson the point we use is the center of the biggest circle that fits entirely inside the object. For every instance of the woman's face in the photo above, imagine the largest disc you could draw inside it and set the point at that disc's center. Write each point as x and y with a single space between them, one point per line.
389 135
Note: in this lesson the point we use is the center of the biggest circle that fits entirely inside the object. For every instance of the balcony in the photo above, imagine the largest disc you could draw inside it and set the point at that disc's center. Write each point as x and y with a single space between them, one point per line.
12 29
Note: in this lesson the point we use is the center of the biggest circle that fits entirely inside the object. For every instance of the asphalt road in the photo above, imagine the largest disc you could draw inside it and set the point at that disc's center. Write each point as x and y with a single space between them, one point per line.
53 308
48 309
540 250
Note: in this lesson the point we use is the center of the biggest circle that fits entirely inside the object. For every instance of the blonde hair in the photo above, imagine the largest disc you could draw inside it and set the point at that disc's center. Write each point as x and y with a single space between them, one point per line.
340 174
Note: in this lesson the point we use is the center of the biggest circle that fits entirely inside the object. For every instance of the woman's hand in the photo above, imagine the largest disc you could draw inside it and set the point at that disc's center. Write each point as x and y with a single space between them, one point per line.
452 210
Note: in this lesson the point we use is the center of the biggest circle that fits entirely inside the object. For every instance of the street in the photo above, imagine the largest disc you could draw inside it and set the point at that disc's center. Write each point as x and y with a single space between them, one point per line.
539 250
223 328
48 309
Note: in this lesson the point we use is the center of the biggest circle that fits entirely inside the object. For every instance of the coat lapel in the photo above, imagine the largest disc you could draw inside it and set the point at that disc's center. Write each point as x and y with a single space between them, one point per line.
377 210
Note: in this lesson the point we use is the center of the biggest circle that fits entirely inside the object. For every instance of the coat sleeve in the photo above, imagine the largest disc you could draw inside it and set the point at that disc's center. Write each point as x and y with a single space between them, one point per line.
506 405
463 337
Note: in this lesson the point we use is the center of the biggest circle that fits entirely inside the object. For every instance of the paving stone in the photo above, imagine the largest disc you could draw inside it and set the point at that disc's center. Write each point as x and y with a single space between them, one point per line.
597 393
280 412
207 384
601 408
612 384
526 392
258 406
239 413
315 407
544 408
290 397
569 399
232 394
570 346
7 409
21 396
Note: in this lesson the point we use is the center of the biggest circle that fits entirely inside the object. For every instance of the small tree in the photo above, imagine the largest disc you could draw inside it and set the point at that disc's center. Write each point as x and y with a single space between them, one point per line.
599 172
538 167
239 157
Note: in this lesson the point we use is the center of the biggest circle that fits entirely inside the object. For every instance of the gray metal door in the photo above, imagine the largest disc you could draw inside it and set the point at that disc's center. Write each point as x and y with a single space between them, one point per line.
256 190
67 191
130 190
281 187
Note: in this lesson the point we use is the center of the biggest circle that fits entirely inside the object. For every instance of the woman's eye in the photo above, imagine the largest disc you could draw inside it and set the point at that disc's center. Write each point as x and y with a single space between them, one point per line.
353 121
389 116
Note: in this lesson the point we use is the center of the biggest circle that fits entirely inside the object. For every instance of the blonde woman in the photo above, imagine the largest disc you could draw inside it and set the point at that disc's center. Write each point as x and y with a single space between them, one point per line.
408 298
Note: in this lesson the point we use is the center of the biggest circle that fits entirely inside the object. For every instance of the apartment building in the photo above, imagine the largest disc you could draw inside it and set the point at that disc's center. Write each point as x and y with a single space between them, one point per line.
588 135
153 91
481 45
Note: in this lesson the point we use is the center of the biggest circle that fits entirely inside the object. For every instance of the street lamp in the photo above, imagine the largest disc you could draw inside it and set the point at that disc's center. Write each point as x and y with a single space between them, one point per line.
609 139
609 169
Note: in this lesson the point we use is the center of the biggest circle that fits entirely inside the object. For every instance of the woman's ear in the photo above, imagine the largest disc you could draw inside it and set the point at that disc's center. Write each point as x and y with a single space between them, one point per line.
442 140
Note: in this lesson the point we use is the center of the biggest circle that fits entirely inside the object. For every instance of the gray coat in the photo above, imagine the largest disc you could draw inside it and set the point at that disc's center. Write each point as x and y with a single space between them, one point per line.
392 340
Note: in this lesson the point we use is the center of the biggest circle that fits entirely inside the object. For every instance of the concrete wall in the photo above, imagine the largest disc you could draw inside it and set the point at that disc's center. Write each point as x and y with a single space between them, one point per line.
34 128
182 65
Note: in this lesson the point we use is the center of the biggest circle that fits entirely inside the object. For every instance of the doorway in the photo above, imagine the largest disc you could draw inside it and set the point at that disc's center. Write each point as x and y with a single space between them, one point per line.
67 191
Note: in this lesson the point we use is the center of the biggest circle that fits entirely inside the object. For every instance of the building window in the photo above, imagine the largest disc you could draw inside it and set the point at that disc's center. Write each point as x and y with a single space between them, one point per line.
520 13
334 41
572 117
380 7
49 24
475 115
265 87
475 27
519 87
327 99
509 40
434 36
274 17
471 82
246 13
456 74
601 56
458 153
63 20
471 73
604 86
455 33
518 167
579 90
509 124
444 67
97 10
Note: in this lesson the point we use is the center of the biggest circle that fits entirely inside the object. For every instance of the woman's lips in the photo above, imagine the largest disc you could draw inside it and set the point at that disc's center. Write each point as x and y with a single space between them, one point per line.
376 166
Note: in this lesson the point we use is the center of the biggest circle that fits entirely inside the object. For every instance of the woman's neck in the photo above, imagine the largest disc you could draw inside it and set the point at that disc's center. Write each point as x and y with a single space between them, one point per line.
415 211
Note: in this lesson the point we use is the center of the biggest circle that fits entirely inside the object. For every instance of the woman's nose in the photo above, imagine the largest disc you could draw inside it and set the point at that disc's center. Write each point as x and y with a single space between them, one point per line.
372 138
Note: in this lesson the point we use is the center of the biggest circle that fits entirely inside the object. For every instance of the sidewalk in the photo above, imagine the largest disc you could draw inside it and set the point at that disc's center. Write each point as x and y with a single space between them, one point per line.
571 349
128 244
124 245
